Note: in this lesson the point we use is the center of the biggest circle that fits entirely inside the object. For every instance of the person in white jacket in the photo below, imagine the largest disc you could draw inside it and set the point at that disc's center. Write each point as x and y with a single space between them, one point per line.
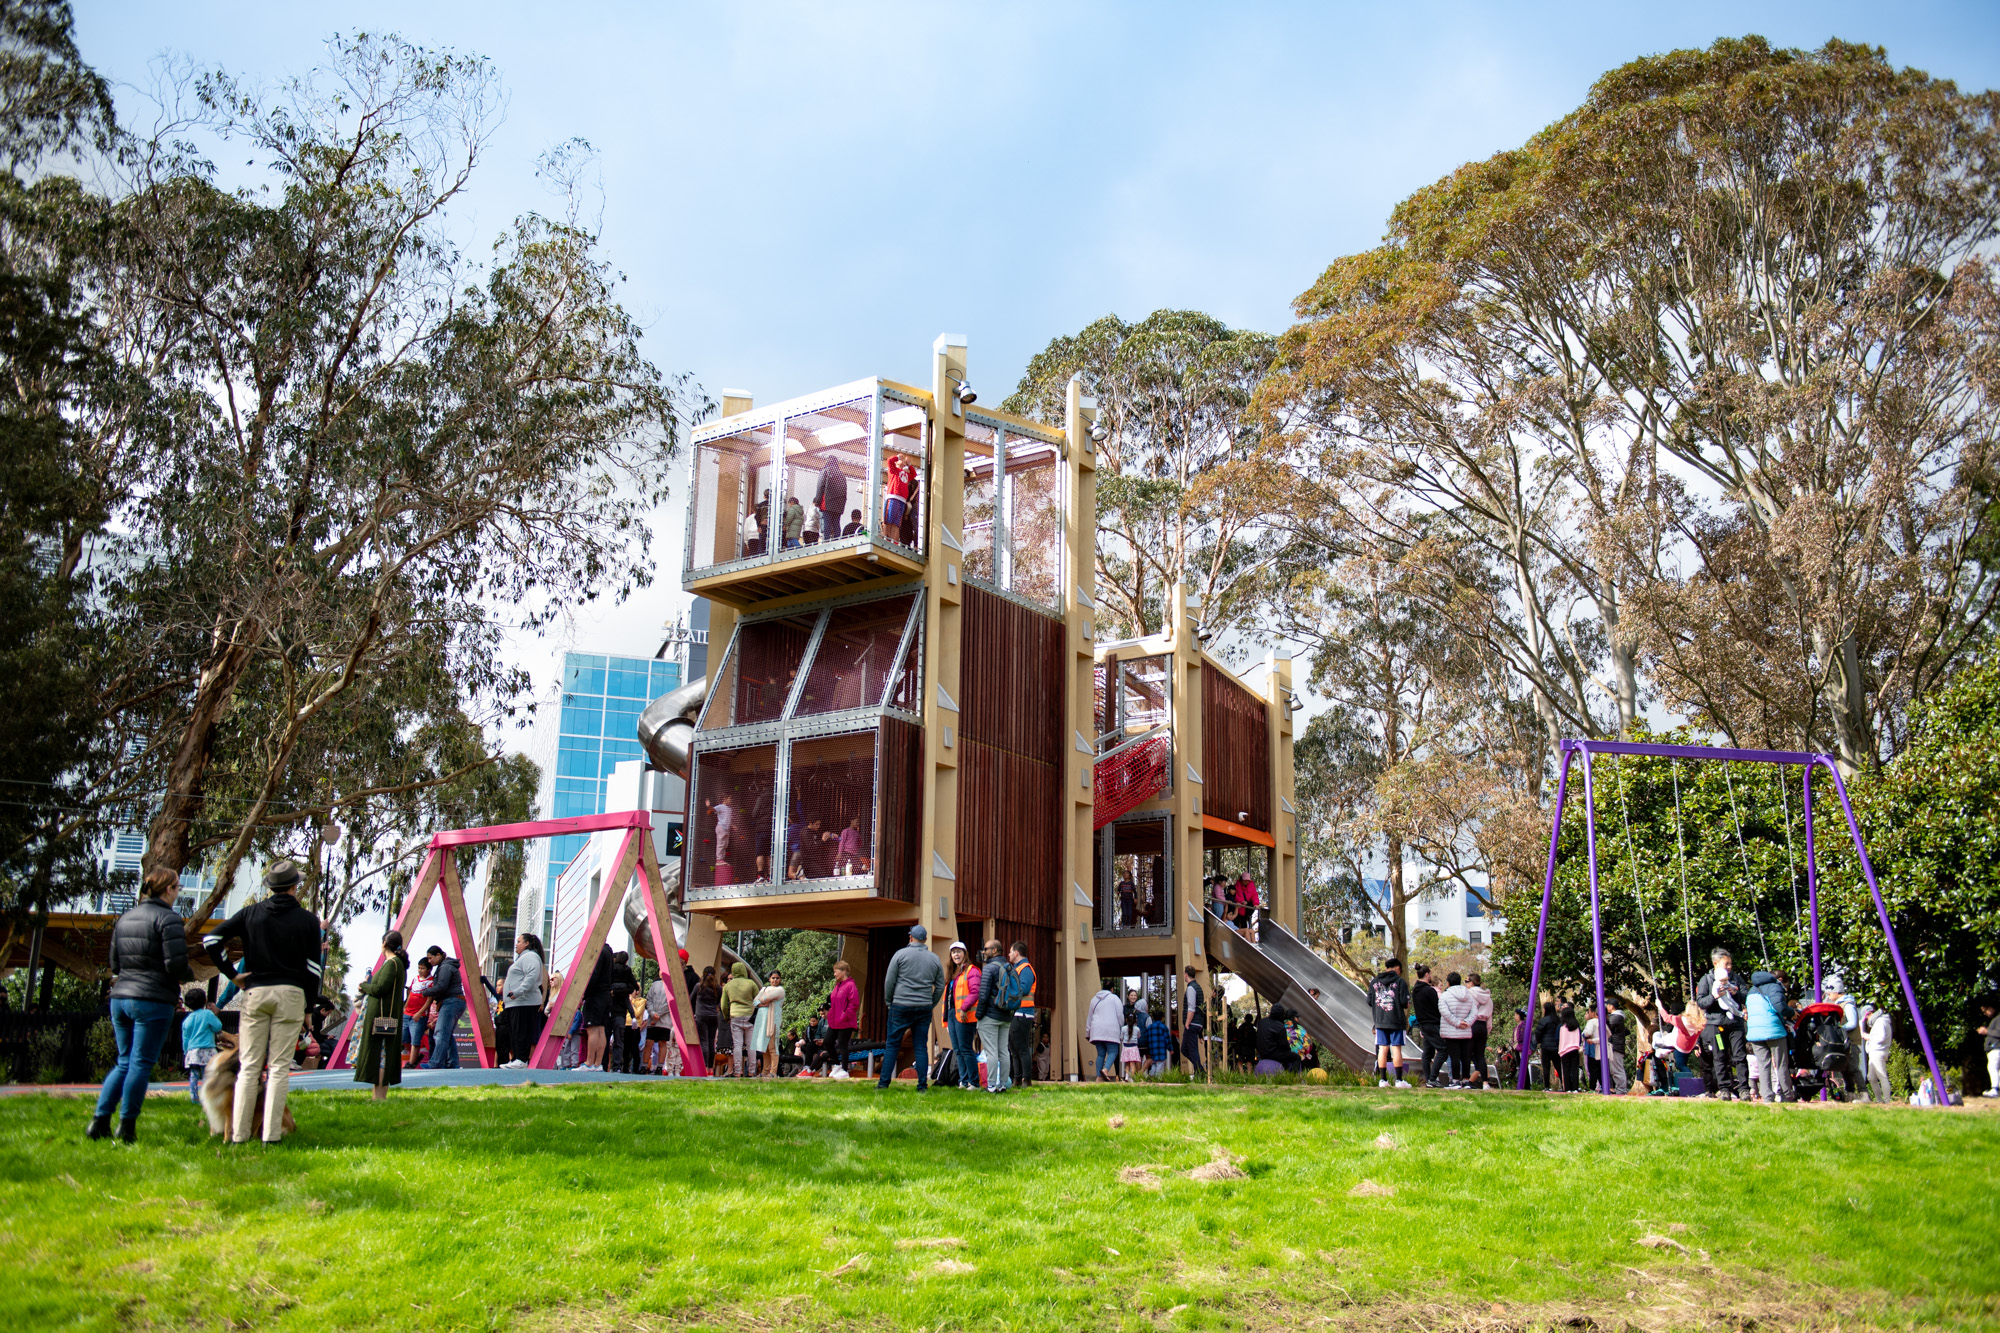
1456 1008
1103 1025
521 1001
1876 1029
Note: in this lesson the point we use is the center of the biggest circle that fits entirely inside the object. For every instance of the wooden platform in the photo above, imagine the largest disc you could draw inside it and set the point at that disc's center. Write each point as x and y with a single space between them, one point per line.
805 574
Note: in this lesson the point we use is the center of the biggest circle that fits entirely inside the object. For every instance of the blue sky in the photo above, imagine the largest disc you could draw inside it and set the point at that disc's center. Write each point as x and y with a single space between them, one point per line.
803 194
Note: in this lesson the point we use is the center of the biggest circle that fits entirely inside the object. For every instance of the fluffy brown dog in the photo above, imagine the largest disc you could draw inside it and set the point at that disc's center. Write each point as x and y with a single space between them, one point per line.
218 1090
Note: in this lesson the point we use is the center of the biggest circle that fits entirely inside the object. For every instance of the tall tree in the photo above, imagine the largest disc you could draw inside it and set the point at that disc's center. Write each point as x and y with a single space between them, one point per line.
384 442
1182 479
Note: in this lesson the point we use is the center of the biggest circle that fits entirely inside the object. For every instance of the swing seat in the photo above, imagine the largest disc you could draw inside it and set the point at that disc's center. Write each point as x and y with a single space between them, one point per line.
1689 1085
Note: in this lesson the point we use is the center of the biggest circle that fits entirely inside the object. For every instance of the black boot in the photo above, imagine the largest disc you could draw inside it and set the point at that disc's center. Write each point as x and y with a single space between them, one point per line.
100 1127
128 1128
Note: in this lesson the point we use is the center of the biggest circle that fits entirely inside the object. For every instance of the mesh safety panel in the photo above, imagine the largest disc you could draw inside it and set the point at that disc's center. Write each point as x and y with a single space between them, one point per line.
1143 693
830 816
758 676
982 444
1097 676
1139 892
1034 520
1129 777
826 473
732 497
731 811
856 654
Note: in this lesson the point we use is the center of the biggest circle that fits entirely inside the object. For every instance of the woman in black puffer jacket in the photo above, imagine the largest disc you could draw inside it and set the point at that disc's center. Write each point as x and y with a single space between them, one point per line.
148 960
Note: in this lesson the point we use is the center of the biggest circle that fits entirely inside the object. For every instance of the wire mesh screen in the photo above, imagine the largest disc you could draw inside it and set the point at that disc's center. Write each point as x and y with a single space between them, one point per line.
1142 692
982 447
731 812
830 813
733 477
856 654
1034 524
826 473
1097 678
758 676
1140 894
902 481
907 690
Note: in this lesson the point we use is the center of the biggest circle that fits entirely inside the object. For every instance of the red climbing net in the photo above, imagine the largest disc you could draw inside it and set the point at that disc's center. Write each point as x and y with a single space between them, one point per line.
1129 777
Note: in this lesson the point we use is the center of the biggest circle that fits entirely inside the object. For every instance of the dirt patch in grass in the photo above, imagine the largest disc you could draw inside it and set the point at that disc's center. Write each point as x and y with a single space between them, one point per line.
1686 1299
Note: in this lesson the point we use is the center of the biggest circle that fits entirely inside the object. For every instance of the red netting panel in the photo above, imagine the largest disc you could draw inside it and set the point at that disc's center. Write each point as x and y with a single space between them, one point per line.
1140 896
758 676
731 810
1127 779
830 817
856 654
732 497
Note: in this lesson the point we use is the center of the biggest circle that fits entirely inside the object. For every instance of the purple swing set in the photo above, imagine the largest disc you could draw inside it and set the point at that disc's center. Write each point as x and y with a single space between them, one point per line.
1572 748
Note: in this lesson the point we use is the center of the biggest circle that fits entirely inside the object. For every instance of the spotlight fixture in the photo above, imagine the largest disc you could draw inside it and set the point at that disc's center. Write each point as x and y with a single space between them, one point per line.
1098 433
966 395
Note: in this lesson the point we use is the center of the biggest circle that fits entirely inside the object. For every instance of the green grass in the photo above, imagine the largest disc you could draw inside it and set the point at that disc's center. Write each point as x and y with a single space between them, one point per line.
635 1206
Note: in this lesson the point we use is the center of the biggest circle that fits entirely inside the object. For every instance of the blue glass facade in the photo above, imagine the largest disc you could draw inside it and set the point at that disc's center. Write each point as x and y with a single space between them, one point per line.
597 730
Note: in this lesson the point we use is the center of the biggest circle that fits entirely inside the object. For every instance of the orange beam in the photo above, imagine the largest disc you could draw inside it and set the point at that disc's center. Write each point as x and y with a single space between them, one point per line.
1235 830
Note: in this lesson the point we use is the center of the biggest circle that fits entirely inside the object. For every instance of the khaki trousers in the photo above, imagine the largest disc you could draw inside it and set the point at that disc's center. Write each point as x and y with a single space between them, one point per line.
272 1017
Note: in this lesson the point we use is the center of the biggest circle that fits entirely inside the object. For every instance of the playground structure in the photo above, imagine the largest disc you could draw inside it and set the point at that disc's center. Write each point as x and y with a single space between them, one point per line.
910 719
1572 749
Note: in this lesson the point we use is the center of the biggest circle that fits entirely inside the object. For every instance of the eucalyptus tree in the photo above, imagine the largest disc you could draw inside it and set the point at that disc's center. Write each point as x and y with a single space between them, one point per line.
382 443
1183 481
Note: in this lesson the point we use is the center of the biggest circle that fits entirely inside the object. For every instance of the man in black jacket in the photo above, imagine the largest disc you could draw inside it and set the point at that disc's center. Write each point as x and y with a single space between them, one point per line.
148 956
448 989
280 980
1389 1001
1424 1008
1721 993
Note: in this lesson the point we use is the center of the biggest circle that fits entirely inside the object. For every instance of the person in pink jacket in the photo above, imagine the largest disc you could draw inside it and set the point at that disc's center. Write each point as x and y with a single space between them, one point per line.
843 1017
1482 1028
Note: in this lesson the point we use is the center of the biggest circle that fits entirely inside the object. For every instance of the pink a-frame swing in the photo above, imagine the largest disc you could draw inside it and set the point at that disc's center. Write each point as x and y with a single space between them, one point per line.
635 854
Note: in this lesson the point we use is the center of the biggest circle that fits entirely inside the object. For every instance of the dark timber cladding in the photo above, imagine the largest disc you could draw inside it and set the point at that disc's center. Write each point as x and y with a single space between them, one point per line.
899 828
1235 752
1010 797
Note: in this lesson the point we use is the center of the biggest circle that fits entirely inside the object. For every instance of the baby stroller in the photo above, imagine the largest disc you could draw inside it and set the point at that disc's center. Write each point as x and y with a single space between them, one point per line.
1819 1052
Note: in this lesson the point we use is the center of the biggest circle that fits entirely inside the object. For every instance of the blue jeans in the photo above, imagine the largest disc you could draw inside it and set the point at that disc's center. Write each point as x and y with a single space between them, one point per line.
917 1022
444 1044
195 1075
413 1033
140 1027
962 1053
1107 1058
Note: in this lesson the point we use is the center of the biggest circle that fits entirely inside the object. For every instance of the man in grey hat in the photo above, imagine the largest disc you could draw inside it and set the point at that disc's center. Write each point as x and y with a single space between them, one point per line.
280 980
912 989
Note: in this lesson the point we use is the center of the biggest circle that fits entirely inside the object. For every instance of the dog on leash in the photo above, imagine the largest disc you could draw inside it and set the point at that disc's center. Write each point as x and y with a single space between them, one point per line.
218 1091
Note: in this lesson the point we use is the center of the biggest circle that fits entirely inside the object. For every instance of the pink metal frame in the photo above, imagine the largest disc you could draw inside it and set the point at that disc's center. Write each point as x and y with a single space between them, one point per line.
634 858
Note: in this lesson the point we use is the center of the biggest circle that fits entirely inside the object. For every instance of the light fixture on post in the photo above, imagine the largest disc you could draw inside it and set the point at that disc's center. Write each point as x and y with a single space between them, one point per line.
967 395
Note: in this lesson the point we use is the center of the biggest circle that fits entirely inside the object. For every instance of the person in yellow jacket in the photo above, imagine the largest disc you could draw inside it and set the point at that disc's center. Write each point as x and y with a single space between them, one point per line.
739 1006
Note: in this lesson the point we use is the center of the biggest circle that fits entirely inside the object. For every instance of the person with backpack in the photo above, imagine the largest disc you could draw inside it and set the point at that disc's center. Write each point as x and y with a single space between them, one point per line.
1389 1000
998 999
1770 1040
1194 1023
1021 1037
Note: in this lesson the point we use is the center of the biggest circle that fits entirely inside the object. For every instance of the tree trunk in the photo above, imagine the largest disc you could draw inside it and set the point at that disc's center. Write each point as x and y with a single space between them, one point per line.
187 772
1399 930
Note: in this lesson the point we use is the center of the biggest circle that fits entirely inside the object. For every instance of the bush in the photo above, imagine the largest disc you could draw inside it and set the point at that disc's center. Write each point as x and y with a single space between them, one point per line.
101 1046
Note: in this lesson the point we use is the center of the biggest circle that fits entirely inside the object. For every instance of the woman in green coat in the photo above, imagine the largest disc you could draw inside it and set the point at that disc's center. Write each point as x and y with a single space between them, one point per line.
379 1061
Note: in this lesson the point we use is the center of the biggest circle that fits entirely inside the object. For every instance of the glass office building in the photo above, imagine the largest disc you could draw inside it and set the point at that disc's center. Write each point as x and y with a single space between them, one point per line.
598 729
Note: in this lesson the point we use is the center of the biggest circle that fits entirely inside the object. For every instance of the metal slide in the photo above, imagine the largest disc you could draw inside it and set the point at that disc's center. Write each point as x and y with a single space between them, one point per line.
1284 971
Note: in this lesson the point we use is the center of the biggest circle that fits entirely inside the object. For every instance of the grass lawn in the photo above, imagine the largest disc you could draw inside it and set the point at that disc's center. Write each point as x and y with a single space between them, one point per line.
654 1206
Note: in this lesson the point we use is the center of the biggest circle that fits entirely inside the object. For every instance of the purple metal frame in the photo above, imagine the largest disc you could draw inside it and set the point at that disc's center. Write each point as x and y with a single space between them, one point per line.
1572 748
